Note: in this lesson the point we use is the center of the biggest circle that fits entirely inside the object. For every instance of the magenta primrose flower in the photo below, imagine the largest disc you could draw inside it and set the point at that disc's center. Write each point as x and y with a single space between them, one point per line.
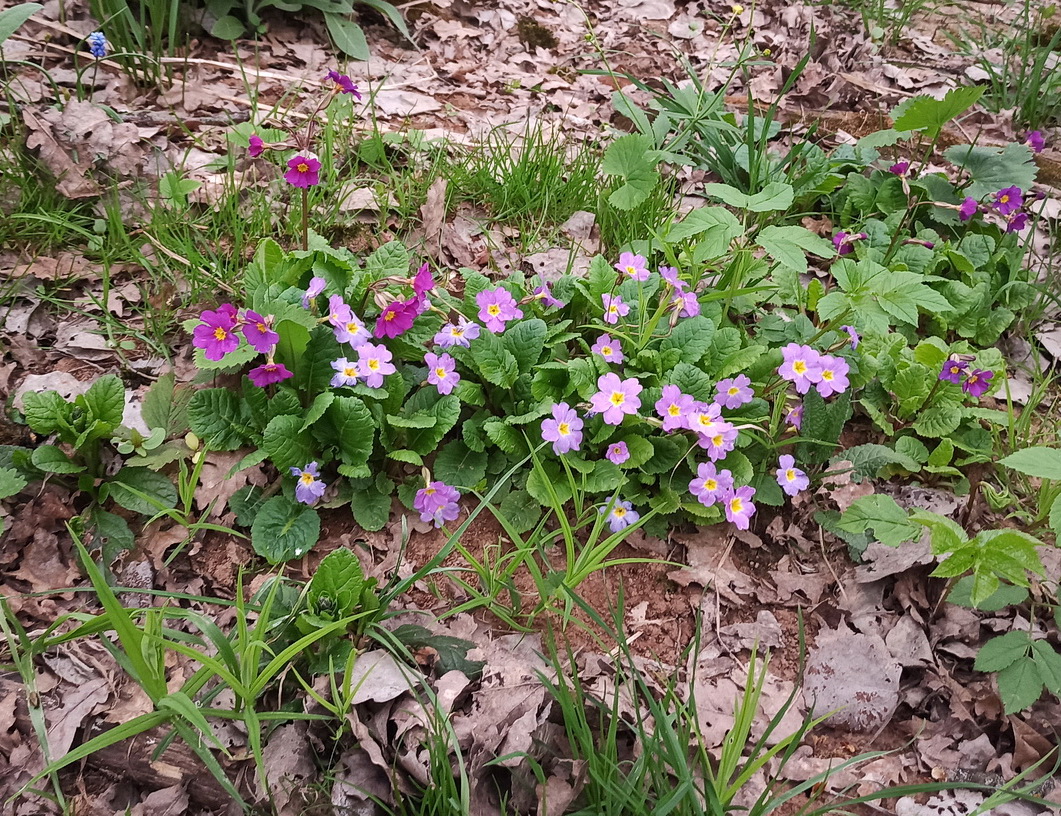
790 477
670 276
674 406
978 382
308 487
616 398
900 168
303 171
1034 139
633 266
255 146
259 332
733 393
441 372
953 371
617 453
316 286
437 503
545 295
853 335
1008 200
373 364
564 429
268 374
423 281
460 333
497 307
844 241
345 373
607 348
343 84
739 507
710 485
622 515
1017 222
801 366
216 335
968 209
833 375
614 308
398 317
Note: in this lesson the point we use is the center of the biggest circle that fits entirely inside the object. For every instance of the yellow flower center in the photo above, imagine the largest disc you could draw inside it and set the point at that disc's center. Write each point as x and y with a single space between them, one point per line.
1004 199
353 328
262 328
674 410
733 391
618 398
613 310
736 505
440 372
564 428
389 316
619 512
710 484
828 375
350 371
373 365
800 367
220 334
303 167
717 440
456 331
430 491
307 478
493 309
606 351
631 270
790 475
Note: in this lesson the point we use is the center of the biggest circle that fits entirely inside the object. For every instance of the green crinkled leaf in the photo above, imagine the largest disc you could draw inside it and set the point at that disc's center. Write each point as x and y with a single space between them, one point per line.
604 478
879 513
504 436
525 341
714 227
1019 685
452 652
738 361
493 360
1049 663
11 482
45 411
521 510
691 338
154 486
407 456
215 417
458 465
316 410
867 460
371 508
52 460
692 381
632 159
284 529
238 358
354 429
447 411
940 418
993 168
930 115
823 422
110 533
286 443
166 406
335 589
315 370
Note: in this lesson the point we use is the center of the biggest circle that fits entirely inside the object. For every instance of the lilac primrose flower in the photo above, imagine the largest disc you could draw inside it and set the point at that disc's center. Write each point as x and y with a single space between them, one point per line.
685 303
801 366
437 503
900 168
1017 222
794 417
545 295
674 407
259 332
345 373
790 477
497 307
460 333
617 453
710 485
255 146
97 44
309 486
316 286
268 374
1034 139
441 372
564 430
622 515
853 335
704 418
343 84
609 349
968 209
303 171
833 378
216 335
739 507
721 441
978 382
734 393
634 266
1008 200
670 275
373 363
398 317
953 371
616 398
614 308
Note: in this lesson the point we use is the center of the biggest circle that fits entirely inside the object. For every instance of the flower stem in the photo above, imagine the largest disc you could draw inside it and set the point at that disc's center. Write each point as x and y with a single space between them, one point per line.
305 218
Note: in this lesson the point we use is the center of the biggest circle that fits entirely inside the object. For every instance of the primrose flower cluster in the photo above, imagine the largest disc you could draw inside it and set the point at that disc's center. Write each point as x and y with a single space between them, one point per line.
1007 203
218 335
975 383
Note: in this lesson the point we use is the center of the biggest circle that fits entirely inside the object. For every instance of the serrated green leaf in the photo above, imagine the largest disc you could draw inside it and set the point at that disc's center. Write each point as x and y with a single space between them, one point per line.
110 533
286 443
789 245
930 115
1049 663
354 428
238 358
1019 685
715 228
691 338
993 168
166 406
458 465
11 482
1003 651
692 381
45 411
493 360
525 341
335 589
284 529
1040 462
879 513
316 410
215 417
630 158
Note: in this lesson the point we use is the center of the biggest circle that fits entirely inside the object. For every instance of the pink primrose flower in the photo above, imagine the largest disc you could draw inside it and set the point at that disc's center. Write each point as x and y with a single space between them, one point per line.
303 171
496 308
616 398
609 349
442 372
564 429
791 478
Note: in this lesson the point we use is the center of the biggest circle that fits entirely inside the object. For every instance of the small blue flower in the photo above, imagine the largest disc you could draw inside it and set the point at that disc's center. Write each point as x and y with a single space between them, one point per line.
97 44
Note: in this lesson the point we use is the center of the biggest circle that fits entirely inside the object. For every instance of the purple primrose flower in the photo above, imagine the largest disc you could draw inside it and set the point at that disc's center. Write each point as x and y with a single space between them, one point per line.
343 84
720 441
564 429
978 382
437 503
853 335
685 303
441 372
1017 222
545 295
617 453
268 374
794 416
833 375
255 146
609 349
303 171
497 307
739 507
968 209
259 332
308 487
423 281
373 364
614 308
670 275
398 317
345 373
316 286
616 398
622 515
674 407
845 241
790 477
733 393
801 366
460 333
1008 200
1034 139
216 335
710 485
953 371
900 168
